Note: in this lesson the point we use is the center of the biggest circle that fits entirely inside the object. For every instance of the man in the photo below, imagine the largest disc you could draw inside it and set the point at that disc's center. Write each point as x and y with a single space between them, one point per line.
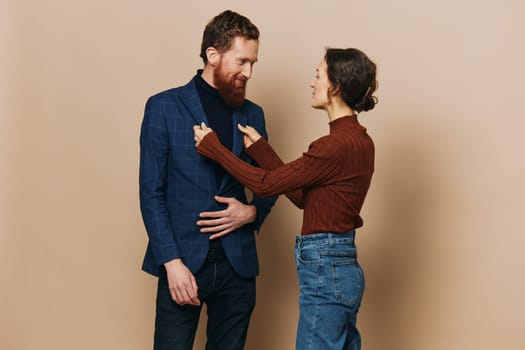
199 223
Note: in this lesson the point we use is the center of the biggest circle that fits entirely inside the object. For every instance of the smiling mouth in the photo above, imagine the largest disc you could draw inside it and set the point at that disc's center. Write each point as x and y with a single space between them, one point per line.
240 83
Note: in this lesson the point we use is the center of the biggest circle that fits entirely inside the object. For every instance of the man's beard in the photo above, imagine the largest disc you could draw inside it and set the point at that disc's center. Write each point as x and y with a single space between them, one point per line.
232 94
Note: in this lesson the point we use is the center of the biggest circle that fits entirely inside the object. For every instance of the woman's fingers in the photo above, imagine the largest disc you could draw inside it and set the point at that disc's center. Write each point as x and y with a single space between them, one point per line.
250 132
199 131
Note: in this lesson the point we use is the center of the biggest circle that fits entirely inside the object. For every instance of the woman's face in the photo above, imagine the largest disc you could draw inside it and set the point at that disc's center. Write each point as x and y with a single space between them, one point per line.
320 86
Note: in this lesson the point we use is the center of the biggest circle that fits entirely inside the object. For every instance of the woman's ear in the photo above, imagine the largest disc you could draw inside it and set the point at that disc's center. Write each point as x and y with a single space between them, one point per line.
333 91
213 56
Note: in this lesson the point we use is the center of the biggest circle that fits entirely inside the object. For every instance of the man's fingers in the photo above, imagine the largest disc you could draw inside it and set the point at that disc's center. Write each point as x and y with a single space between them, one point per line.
174 296
214 229
194 295
177 296
219 213
226 200
186 295
213 214
212 222
220 234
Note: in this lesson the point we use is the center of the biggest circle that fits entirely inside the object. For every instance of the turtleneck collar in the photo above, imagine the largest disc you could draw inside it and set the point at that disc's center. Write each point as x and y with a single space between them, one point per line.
348 121
204 87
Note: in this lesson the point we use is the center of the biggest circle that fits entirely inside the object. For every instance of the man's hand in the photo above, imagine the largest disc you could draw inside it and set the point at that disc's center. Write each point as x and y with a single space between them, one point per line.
182 283
222 222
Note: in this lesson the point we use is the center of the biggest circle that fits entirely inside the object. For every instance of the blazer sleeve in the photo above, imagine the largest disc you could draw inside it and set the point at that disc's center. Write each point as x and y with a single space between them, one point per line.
154 149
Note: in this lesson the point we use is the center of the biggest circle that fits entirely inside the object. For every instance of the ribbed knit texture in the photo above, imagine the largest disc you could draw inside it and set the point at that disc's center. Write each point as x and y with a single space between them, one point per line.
329 181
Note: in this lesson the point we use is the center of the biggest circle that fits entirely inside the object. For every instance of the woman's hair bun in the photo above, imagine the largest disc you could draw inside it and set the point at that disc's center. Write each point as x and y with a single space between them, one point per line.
366 103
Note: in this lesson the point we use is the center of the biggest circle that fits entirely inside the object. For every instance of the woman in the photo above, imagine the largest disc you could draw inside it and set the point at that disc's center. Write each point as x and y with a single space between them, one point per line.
329 182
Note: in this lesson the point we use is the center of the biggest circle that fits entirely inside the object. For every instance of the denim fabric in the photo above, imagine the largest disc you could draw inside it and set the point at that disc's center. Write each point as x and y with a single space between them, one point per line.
229 299
331 287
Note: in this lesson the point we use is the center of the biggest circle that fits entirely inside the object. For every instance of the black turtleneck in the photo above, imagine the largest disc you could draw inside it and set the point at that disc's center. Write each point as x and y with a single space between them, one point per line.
220 119
219 115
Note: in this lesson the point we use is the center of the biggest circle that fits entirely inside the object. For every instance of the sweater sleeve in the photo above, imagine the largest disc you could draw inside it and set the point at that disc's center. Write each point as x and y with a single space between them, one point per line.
265 156
315 167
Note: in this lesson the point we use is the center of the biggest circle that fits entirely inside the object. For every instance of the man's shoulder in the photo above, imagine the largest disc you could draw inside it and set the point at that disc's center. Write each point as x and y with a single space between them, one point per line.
172 92
252 106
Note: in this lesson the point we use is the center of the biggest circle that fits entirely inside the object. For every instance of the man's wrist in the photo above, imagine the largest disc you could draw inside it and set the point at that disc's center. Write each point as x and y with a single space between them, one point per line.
173 262
253 215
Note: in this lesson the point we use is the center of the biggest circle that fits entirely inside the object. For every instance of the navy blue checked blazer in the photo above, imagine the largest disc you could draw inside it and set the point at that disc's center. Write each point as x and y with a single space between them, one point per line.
176 184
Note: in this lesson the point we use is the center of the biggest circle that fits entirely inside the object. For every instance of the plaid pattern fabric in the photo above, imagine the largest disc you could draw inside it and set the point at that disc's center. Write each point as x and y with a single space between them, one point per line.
176 184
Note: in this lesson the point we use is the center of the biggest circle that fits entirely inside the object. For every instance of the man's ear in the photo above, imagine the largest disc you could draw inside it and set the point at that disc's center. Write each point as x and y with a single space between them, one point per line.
213 56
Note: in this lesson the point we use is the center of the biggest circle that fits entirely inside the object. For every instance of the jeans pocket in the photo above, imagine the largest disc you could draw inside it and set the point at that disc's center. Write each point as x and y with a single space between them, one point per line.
308 254
308 262
349 282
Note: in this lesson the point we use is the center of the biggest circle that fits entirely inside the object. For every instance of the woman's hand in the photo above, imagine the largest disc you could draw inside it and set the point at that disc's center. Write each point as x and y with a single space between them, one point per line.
250 135
199 132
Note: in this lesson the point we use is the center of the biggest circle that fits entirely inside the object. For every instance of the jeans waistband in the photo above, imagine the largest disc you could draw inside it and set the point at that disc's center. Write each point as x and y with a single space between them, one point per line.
216 255
328 237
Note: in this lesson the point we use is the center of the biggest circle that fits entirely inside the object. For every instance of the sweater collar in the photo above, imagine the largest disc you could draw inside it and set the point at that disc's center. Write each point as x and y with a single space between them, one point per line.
348 121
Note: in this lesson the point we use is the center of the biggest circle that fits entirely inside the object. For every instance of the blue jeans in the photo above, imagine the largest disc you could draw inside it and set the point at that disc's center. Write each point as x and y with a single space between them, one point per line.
230 301
331 286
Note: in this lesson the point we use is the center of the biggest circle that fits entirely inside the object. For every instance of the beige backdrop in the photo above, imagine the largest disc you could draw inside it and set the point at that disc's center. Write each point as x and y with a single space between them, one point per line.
442 245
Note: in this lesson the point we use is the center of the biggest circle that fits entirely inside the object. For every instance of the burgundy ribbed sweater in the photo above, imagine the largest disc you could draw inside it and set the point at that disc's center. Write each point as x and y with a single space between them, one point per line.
329 181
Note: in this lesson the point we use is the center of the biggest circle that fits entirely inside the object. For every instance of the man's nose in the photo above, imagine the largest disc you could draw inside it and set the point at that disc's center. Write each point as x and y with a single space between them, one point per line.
247 71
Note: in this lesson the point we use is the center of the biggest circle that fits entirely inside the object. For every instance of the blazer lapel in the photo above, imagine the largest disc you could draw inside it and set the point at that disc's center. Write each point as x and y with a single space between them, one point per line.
239 117
238 138
192 101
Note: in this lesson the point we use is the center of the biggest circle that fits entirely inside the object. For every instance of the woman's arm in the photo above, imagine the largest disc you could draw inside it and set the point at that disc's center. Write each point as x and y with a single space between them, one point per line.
265 156
315 167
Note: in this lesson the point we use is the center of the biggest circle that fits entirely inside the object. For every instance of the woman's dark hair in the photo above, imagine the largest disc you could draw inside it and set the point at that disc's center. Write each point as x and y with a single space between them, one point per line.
352 73
223 28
